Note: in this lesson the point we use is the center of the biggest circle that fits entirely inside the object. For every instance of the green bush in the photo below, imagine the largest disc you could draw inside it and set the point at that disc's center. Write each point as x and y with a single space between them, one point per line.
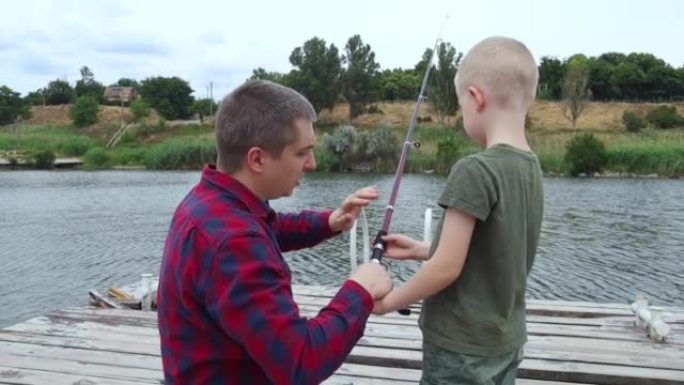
632 122
380 147
325 160
140 109
97 158
44 159
551 162
585 154
664 117
84 112
129 156
341 146
449 150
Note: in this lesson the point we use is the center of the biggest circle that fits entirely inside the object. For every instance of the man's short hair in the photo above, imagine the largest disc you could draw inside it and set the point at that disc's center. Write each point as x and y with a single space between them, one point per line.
259 113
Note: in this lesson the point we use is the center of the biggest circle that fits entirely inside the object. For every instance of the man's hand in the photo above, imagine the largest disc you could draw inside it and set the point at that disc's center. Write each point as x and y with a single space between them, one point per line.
342 219
374 278
402 247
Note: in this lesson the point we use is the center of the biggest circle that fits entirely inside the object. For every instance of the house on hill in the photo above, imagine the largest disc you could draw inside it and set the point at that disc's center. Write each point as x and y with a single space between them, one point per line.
120 94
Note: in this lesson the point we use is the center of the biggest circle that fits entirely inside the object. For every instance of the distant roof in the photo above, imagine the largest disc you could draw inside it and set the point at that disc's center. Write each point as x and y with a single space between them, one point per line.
118 93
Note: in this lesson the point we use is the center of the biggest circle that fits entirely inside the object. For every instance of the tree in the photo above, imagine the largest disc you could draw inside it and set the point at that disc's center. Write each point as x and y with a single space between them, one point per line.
601 80
399 84
84 111
88 86
359 78
442 93
36 98
12 106
127 82
551 73
317 73
58 92
421 66
275 77
171 97
575 92
203 107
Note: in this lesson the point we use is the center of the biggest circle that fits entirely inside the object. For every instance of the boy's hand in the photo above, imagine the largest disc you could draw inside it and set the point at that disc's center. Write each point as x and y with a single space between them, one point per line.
342 219
402 247
380 307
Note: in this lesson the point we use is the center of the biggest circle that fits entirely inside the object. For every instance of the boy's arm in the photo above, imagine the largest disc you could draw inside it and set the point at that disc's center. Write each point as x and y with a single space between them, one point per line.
438 272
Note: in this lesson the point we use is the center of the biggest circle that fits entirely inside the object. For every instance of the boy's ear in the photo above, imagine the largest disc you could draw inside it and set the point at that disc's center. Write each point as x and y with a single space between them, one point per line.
478 97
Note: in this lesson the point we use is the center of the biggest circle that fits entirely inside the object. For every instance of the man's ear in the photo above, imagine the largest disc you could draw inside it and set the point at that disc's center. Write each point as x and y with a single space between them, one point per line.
256 158
478 97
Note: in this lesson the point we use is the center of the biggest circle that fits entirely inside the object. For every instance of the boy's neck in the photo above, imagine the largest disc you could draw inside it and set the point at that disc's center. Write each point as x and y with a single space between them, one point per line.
508 129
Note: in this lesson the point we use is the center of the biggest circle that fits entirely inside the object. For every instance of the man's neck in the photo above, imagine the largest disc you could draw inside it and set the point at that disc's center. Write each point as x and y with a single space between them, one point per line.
245 180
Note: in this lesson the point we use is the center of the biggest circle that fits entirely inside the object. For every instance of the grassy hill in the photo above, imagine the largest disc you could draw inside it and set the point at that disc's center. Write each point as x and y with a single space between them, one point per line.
156 143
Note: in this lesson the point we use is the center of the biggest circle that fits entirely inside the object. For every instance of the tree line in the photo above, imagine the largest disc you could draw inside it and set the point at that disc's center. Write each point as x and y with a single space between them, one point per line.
171 97
327 75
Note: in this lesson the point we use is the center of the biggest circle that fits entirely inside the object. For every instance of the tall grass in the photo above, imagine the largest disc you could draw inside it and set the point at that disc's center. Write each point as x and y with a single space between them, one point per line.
62 140
188 152
648 152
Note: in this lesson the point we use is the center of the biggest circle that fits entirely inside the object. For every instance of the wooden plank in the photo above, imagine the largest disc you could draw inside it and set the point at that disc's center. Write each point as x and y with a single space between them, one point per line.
584 349
606 332
114 346
541 369
357 373
149 360
536 307
113 370
350 380
90 330
597 374
14 376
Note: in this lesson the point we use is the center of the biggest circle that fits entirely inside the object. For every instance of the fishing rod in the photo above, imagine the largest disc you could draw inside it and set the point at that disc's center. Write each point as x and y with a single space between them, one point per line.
379 244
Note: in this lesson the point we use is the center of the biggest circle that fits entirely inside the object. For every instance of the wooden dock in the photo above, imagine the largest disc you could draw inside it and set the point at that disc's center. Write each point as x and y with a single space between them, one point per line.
569 343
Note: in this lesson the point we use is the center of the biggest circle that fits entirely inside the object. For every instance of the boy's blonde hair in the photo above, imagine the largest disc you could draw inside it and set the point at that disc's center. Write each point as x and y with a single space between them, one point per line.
502 68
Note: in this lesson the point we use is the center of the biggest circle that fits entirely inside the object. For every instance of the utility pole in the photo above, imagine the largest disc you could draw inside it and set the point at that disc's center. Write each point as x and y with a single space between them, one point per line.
211 99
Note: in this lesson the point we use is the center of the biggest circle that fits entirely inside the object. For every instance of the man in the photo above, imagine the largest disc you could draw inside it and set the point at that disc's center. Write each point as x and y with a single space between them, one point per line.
226 310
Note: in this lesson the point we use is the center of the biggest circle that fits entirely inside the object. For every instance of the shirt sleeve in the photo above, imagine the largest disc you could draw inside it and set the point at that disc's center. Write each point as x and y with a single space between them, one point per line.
470 188
307 228
250 297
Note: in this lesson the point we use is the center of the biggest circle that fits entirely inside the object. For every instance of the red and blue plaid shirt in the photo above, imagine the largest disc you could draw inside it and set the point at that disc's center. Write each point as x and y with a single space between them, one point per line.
225 305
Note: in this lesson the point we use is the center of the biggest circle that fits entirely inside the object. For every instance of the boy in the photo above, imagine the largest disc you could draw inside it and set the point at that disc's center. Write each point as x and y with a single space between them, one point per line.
474 278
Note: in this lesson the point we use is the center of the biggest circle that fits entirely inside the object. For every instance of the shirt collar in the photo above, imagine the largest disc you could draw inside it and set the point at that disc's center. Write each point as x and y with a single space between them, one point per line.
238 191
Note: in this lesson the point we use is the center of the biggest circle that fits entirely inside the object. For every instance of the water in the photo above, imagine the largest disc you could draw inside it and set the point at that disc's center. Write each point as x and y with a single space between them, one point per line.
63 233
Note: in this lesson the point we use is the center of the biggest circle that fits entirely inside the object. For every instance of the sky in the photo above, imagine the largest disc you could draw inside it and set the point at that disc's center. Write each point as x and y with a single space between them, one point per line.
223 41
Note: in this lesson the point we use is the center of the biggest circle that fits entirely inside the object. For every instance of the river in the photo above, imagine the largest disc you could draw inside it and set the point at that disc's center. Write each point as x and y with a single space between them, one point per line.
65 232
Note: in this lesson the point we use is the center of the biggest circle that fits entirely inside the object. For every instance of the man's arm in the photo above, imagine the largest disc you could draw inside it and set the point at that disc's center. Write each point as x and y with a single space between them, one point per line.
249 295
309 228
438 272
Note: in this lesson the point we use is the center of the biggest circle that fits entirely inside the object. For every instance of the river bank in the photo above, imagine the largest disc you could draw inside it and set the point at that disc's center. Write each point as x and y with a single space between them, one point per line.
644 154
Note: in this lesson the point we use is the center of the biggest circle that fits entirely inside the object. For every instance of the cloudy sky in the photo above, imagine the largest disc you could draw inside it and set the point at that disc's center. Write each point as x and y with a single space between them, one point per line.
222 41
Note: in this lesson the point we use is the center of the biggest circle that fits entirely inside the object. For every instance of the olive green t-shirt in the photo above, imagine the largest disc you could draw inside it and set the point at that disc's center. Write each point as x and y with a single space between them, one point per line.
483 311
